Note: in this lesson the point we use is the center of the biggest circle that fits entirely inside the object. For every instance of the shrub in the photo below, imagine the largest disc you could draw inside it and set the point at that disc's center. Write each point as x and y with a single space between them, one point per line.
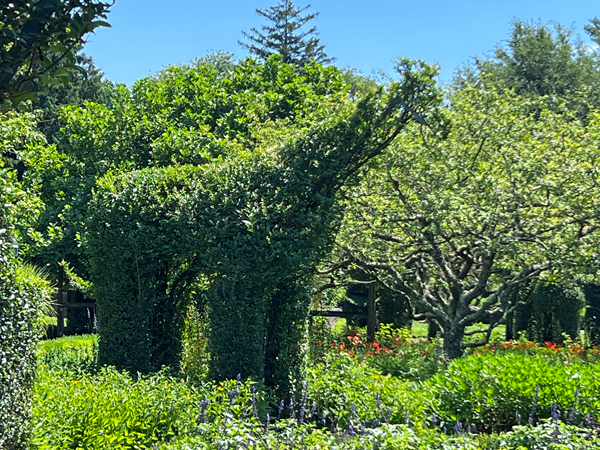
591 322
395 352
70 353
23 292
111 410
556 310
345 381
495 392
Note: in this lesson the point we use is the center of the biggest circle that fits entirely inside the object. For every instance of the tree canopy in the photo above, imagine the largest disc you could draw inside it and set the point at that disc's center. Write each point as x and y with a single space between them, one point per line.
38 41
457 222
285 35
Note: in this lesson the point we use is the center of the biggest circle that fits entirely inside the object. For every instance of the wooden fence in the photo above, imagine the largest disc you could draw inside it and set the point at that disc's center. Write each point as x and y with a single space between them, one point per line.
369 314
79 313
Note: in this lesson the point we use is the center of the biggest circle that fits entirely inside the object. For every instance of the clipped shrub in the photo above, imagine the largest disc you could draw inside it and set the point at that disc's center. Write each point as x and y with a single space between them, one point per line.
21 298
23 292
591 321
555 311
391 308
71 353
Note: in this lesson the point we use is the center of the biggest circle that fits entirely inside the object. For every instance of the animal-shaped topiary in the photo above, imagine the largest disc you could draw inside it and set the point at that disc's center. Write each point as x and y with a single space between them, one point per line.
253 228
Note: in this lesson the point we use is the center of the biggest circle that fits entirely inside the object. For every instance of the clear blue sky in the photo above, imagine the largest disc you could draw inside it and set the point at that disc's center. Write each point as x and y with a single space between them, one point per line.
148 35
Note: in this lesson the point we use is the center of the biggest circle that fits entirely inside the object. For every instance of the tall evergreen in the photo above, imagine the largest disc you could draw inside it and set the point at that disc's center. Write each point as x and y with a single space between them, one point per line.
284 35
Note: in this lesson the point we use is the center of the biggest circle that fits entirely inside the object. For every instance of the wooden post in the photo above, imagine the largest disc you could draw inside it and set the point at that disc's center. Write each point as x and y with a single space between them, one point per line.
371 315
60 315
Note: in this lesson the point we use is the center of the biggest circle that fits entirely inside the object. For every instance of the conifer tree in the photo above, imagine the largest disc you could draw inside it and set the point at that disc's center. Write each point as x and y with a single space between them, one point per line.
283 35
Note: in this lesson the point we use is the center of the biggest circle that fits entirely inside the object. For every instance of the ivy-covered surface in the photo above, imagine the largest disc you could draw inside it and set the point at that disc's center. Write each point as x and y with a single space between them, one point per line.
251 224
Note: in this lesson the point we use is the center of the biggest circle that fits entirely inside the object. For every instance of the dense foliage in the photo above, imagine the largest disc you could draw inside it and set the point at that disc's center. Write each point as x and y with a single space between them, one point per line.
556 313
23 293
346 404
591 319
457 222
252 223
38 40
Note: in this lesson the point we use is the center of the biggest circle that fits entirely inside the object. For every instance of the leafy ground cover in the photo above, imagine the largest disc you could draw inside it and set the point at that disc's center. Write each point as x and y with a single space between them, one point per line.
396 393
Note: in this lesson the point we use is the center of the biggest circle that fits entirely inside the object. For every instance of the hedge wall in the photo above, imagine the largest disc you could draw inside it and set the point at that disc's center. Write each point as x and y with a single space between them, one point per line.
21 294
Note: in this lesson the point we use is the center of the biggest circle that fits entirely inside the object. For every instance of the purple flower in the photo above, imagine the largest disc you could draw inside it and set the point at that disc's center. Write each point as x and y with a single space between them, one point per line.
458 428
350 430
536 399
573 411
378 400
203 407
254 409
554 413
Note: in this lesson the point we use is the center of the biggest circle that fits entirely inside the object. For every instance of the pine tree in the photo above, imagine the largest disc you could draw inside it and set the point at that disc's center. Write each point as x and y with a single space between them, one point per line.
283 36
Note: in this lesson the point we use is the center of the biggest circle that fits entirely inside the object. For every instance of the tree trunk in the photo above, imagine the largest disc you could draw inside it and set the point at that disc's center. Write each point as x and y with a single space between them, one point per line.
433 329
453 337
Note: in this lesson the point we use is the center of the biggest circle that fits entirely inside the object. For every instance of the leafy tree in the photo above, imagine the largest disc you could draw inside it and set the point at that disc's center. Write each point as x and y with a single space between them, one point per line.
38 40
91 87
284 36
540 60
458 223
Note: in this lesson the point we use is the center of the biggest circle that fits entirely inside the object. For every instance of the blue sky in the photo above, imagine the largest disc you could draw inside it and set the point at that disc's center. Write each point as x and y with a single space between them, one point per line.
148 35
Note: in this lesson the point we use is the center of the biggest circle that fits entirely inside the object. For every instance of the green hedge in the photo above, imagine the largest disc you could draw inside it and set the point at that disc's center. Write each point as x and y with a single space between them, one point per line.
591 321
22 293
555 312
